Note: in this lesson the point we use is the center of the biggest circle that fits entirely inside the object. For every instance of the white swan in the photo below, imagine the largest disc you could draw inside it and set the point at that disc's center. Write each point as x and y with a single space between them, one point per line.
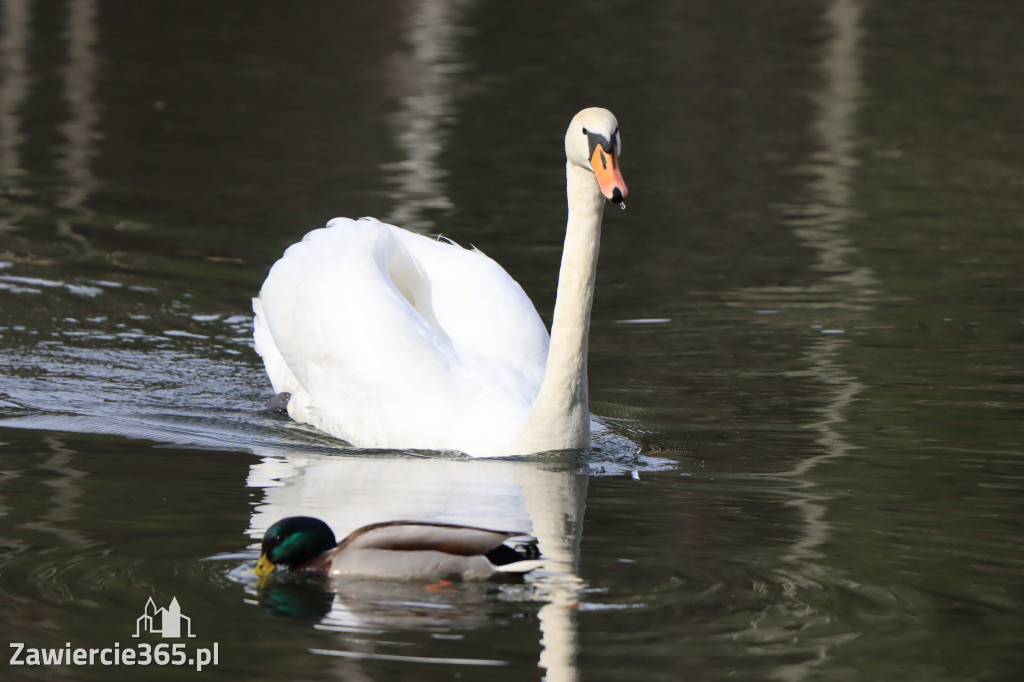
389 339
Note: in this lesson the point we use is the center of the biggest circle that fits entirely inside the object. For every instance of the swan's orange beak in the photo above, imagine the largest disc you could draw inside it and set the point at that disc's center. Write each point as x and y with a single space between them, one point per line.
609 177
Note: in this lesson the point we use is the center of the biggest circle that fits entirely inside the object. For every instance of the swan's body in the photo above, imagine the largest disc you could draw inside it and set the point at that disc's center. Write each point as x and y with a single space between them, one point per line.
386 338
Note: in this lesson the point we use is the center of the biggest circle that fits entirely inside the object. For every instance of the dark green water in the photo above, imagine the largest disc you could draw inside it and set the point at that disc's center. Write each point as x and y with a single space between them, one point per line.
808 338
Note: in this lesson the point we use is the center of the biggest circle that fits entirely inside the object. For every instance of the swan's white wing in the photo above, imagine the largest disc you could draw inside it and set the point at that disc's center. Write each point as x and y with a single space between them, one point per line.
483 310
396 340
281 377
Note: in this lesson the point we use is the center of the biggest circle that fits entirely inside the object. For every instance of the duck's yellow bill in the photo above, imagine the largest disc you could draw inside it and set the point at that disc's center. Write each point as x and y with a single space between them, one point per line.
264 567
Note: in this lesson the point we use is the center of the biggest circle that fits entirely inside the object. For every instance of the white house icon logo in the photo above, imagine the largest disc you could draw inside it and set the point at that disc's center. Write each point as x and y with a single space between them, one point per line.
165 622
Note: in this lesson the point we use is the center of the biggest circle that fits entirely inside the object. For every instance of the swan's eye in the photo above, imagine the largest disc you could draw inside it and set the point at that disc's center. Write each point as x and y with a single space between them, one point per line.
584 131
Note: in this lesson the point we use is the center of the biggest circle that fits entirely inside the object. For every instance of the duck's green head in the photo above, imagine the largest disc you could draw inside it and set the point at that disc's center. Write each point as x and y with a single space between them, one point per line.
294 541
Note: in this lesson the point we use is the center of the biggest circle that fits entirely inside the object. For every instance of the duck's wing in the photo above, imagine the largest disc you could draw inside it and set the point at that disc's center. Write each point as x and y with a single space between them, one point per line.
416 550
411 536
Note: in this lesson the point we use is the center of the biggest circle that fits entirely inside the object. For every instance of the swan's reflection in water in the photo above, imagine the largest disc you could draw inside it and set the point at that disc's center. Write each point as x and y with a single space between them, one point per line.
544 497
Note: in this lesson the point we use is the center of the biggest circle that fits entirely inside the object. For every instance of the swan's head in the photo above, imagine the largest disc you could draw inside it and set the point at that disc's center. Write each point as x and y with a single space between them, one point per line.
592 142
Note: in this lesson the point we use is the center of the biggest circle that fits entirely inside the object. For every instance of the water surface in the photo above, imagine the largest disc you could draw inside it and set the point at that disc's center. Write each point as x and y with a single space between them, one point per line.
806 343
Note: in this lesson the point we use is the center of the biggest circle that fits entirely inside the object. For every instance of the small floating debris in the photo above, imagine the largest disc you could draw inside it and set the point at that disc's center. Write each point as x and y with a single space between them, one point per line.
15 289
645 320
84 290
183 334
595 606
32 281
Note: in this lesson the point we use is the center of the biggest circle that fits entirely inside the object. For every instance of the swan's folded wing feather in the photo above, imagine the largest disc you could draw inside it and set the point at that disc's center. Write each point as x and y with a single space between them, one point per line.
481 307
281 377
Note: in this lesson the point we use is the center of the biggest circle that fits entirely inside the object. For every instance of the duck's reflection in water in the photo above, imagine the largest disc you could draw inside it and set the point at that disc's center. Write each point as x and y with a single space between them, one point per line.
544 497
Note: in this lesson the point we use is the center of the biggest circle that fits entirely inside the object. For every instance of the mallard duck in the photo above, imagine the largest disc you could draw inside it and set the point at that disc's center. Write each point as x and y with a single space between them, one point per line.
390 339
397 550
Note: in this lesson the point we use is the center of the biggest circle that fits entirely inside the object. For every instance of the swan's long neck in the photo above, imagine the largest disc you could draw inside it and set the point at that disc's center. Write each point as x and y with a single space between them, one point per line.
559 417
